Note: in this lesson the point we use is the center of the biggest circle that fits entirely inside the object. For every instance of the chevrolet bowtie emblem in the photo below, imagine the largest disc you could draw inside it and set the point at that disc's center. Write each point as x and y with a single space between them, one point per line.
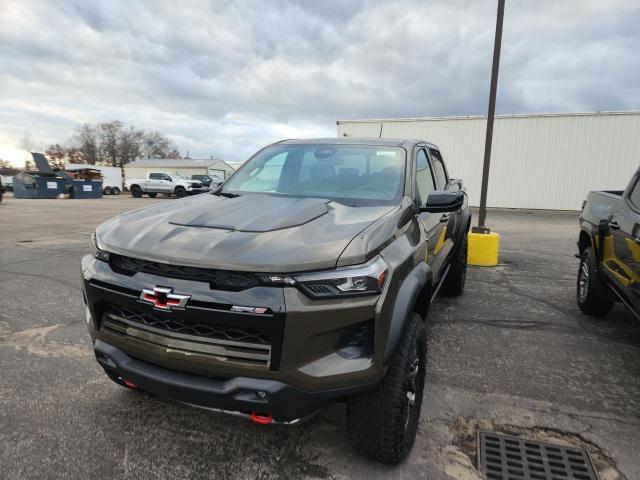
163 298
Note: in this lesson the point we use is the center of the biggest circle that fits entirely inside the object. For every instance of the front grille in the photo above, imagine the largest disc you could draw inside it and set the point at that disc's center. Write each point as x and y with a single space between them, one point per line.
228 343
189 327
505 457
217 279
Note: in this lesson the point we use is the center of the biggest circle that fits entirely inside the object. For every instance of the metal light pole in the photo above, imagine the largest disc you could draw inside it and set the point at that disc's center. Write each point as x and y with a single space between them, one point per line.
490 114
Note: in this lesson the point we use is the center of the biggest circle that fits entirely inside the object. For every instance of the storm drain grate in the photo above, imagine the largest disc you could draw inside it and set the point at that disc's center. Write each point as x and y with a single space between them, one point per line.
505 457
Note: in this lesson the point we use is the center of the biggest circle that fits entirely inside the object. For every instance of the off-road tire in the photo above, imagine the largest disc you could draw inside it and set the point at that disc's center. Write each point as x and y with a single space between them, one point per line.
380 423
136 191
593 296
180 192
152 194
454 282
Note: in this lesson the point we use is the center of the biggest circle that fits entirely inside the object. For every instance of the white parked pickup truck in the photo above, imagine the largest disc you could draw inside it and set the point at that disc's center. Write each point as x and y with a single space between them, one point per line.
166 183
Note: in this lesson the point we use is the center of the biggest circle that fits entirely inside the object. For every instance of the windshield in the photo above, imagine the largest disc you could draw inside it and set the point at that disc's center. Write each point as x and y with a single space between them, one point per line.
351 173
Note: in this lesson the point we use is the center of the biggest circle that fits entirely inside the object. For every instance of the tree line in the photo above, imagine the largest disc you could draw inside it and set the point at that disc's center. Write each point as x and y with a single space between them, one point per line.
111 144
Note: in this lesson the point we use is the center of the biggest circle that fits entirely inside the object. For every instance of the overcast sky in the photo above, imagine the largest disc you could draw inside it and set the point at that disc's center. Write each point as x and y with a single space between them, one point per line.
224 78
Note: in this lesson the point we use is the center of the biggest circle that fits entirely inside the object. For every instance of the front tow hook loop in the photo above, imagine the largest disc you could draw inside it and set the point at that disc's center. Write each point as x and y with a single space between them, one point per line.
129 383
261 419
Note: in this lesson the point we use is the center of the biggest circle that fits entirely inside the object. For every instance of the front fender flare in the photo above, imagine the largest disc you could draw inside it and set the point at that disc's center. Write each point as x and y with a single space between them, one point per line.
406 298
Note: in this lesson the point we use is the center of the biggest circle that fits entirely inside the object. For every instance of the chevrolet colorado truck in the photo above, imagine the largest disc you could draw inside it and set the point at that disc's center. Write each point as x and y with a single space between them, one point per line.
306 278
163 182
609 246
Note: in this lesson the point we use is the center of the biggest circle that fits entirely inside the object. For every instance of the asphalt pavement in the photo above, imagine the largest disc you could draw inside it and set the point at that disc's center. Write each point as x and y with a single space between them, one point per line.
512 354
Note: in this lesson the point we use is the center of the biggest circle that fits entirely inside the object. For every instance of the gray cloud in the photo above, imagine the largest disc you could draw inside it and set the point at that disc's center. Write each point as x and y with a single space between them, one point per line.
225 78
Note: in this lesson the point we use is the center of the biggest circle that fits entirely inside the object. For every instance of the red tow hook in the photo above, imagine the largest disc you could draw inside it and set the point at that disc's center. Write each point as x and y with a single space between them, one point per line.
129 383
261 419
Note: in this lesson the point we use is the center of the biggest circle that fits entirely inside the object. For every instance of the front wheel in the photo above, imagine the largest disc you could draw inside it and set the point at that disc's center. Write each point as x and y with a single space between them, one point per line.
152 194
382 423
181 192
593 295
136 191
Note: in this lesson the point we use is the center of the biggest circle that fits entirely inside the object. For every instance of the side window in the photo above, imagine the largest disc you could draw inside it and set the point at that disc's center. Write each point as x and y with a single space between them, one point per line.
167 178
155 176
634 196
424 179
438 169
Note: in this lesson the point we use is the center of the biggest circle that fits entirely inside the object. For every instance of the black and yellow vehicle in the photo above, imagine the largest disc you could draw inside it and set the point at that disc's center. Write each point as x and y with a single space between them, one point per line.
306 278
609 247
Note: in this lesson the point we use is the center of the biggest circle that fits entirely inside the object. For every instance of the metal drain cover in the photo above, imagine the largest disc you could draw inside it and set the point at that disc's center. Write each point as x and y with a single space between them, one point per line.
505 457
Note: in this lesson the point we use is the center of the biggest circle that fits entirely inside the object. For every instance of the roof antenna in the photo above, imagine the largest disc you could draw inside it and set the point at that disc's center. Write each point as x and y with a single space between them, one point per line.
381 125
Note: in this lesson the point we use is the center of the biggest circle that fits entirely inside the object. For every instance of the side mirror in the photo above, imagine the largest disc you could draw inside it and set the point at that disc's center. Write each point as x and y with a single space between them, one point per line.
441 201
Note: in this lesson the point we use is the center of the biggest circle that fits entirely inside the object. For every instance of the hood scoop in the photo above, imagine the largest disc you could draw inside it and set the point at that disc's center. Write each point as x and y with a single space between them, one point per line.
251 213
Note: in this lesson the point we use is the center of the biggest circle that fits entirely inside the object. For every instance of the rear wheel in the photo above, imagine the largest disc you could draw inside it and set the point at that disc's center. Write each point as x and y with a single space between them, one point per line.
382 423
136 191
107 191
454 282
115 191
152 194
181 192
593 295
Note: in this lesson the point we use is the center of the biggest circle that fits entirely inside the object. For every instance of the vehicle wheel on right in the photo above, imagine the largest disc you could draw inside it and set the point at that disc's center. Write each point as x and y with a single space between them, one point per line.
382 423
593 295
181 192
136 191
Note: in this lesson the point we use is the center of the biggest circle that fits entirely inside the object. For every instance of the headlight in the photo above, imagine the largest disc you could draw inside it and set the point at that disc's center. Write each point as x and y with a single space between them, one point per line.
366 279
97 251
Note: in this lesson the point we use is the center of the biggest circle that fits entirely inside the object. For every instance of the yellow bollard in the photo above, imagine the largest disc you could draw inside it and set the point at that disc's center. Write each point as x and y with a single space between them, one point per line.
483 249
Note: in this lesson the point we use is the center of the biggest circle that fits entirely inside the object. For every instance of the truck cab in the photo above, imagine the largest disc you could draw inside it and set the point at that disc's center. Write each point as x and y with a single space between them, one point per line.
610 250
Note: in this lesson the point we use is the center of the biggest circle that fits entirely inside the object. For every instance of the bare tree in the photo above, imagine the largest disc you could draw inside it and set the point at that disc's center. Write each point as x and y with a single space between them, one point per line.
85 140
174 154
75 156
30 144
130 144
56 154
157 145
108 141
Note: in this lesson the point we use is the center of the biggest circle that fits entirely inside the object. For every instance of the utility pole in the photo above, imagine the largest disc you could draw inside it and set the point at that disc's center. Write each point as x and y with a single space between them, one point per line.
490 114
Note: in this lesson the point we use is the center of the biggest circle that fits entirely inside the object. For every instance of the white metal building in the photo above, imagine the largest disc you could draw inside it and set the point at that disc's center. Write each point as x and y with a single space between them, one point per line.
546 161
186 167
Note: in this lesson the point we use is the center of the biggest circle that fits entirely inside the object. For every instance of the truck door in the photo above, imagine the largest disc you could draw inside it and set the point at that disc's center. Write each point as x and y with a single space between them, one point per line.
623 262
154 184
444 245
431 223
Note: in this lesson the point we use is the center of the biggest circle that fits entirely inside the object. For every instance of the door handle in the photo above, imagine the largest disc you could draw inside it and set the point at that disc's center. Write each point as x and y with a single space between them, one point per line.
613 225
444 218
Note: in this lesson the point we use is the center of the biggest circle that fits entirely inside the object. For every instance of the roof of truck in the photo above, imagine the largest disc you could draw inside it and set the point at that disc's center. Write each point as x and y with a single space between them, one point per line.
385 142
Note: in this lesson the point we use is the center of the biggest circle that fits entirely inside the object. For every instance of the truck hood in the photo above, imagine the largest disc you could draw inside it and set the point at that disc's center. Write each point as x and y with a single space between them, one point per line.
251 233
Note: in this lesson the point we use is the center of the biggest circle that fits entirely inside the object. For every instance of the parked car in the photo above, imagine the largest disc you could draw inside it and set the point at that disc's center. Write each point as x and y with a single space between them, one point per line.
164 182
1 190
305 278
211 181
609 247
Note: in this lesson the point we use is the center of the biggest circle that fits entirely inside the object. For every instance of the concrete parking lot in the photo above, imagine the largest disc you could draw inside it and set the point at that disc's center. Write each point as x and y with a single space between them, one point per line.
512 354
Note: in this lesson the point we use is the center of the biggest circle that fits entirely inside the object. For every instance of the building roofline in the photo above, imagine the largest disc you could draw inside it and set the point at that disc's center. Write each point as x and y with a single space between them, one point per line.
482 117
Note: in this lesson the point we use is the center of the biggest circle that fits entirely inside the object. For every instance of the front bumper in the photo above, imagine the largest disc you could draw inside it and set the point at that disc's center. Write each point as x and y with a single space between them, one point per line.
238 394
307 355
